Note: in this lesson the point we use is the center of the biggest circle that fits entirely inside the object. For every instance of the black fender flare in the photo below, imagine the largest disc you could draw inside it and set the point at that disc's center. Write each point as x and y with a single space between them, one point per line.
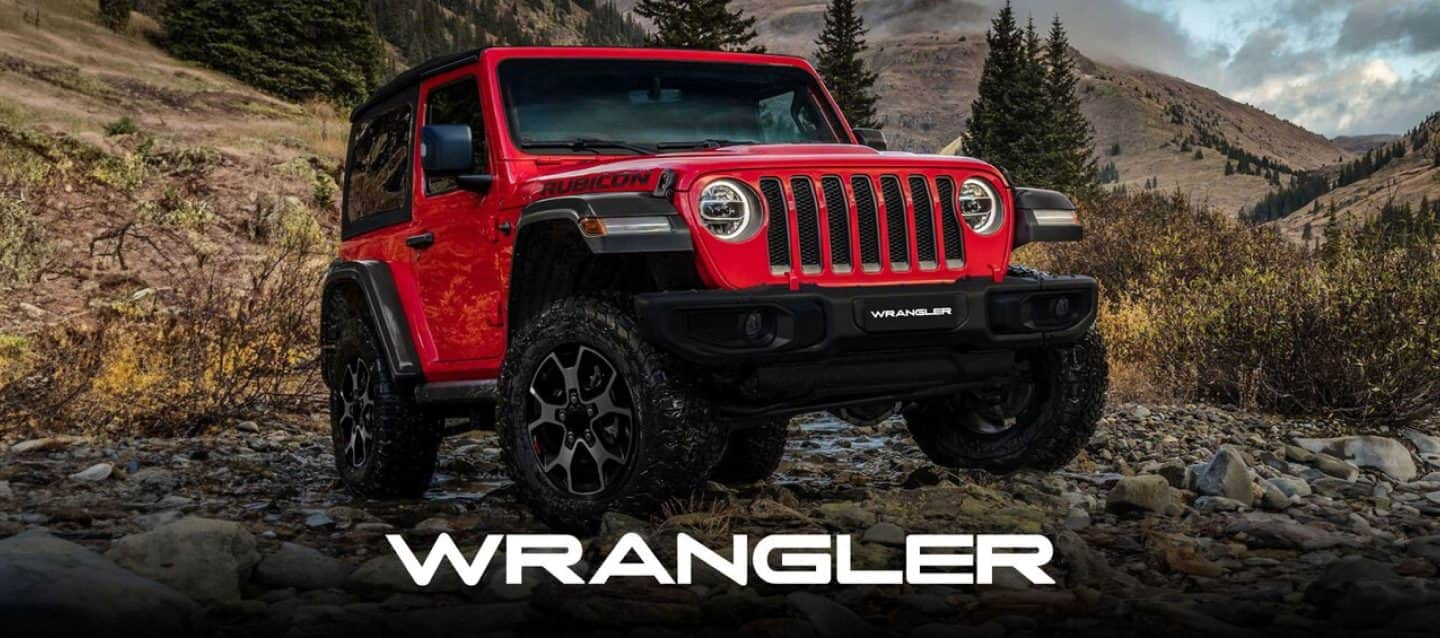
382 305
604 206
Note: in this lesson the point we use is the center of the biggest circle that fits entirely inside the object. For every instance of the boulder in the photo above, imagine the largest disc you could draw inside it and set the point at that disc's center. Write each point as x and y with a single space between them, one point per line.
53 587
1148 493
1290 486
1225 475
884 534
300 567
829 618
1336 467
1277 531
204 558
1375 452
1424 443
94 474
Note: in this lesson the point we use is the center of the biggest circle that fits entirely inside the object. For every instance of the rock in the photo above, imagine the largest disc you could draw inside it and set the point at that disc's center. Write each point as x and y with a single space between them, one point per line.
386 573
5 491
434 525
94 474
1176 472
1278 531
248 426
1339 488
1140 412
300 567
935 630
1077 519
1291 487
1298 454
1219 504
923 476
157 519
318 519
629 605
1225 475
32 311
52 587
156 479
1336 467
829 618
1181 556
1426 547
1143 493
1424 443
845 515
1275 498
884 534
206 559
43 445
1375 452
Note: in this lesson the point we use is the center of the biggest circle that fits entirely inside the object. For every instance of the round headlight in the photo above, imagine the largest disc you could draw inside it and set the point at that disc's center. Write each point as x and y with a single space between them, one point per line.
981 208
729 210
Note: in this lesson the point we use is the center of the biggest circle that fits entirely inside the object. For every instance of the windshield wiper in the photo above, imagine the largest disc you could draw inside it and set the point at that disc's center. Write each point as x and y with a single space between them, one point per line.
710 143
588 144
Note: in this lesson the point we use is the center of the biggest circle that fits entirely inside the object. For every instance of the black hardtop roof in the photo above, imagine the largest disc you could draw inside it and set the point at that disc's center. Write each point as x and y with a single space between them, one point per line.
413 76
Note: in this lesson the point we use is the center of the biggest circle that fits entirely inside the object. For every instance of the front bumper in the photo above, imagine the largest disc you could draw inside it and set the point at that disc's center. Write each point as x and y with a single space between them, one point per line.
771 326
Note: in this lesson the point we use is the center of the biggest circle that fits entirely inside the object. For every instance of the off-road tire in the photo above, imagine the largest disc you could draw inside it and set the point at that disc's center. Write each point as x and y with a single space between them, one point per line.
1072 381
404 444
676 441
753 452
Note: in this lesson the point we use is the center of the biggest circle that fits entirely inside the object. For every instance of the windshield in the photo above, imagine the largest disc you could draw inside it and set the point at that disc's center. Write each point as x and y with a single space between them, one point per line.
637 106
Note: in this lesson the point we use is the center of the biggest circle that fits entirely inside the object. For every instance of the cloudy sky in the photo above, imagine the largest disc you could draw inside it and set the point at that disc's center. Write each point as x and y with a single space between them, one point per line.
1337 67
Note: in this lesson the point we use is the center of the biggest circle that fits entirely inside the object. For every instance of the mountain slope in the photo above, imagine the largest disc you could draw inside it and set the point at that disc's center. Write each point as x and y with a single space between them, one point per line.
929 54
1406 180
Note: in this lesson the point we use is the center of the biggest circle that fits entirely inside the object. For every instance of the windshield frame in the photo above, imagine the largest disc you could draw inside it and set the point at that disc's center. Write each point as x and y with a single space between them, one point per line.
818 93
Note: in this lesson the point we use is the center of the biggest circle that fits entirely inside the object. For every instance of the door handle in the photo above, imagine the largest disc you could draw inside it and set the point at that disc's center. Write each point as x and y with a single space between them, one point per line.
421 241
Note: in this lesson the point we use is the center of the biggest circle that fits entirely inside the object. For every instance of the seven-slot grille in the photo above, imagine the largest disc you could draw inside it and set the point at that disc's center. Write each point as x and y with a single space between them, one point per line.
875 218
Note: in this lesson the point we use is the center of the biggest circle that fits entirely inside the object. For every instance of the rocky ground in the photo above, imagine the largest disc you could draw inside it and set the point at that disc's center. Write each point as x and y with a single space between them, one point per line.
1178 519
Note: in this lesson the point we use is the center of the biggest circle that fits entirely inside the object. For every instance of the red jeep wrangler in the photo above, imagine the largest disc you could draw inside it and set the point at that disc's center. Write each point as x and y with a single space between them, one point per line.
637 264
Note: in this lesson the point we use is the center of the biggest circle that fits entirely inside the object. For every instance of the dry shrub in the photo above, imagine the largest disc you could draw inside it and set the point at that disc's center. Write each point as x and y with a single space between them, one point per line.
1198 306
169 362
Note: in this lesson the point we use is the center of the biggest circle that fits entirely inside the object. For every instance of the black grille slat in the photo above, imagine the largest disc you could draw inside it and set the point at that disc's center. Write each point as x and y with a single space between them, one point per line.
896 229
807 222
867 218
779 235
949 222
838 212
924 220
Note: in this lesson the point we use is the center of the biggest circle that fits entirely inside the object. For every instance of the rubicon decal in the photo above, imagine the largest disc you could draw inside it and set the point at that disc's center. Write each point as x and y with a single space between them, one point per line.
780 559
901 313
624 180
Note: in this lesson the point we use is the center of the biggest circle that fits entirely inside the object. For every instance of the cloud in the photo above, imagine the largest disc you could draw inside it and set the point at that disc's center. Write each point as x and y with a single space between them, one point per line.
1413 26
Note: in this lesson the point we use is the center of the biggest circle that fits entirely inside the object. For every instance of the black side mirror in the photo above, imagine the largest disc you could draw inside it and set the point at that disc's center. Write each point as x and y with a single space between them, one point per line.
446 150
872 137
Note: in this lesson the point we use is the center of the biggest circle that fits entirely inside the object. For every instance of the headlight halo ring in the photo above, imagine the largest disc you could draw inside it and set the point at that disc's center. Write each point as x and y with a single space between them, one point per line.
729 210
980 206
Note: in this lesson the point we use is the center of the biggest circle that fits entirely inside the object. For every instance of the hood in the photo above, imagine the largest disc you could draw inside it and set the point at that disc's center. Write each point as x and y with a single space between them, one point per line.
633 173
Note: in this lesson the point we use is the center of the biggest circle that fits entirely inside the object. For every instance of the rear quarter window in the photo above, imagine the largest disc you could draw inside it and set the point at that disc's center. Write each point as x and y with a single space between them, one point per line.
378 182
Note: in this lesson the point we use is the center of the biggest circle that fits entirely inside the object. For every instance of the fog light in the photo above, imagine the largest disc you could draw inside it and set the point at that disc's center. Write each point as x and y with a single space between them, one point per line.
754 325
1062 308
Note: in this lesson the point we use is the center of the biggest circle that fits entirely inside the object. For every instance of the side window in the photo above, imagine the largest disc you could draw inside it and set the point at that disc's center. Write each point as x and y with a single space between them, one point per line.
379 166
457 103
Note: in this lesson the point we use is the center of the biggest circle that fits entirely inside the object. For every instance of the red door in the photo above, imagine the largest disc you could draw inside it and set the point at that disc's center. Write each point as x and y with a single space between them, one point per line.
458 274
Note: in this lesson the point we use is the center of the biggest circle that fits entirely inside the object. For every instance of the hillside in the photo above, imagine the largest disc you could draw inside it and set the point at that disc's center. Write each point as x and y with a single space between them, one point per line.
929 54
1358 144
132 170
1404 181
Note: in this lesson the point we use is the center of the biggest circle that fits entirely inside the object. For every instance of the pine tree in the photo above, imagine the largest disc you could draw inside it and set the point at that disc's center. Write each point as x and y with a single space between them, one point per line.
295 48
1069 140
993 132
699 24
115 14
837 56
